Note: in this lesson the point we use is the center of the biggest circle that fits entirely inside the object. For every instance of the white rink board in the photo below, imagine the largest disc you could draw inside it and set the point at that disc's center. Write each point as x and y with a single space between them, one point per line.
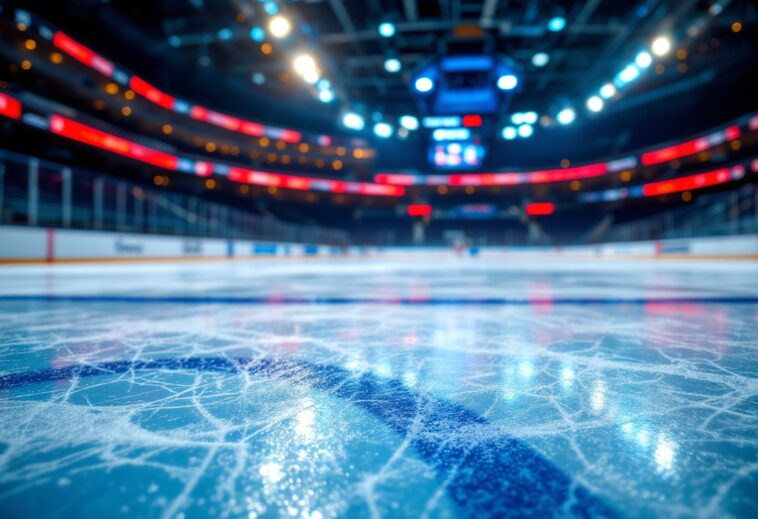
40 244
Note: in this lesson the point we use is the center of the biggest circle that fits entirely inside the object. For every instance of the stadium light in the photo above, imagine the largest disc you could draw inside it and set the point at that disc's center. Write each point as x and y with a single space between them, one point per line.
517 118
410 122
595 104
424 84
556 24
566 116
661 46
383 130
540 59
392 65
353 121
387 29
509 133
279 27
643 59
607 91
629 74
326 96
530 117
304 64
507 82
257 34
525 131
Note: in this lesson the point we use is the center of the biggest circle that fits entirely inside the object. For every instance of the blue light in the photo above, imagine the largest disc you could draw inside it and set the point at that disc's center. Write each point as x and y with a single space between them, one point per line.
595 104
271 8
509 133
556 24
353 121
409 122
424 84
451 134
383 130
225 34
540 59
257 34
566 116
323 84
326 96
387 29
607 91
643 59
507 82
629 74
530 117
392 65
525 131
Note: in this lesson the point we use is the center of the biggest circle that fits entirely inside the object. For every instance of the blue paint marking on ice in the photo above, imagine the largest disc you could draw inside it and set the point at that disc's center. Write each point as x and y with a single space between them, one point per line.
496 476
411 301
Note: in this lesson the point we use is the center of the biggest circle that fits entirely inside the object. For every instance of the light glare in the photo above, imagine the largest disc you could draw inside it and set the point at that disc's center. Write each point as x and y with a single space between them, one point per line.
279 27
566 116
661 46
595 104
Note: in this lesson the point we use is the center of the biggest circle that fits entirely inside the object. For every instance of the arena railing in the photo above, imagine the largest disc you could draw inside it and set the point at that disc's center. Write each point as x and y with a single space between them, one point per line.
717 214
37 192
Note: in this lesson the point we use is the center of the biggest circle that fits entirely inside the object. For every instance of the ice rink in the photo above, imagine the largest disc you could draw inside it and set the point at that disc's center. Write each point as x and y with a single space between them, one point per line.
375 388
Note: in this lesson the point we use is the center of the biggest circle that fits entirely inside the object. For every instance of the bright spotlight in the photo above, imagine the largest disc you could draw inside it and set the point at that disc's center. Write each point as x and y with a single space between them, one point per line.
509 133
530 117
424 84
517 118
566 116
643 59
387 29
629 74
353 121
326 96
540 59
392 65
661 46
279 27
595 104
607 91
383 130
525 131
556 24
507 82
324 84
409 122
304 64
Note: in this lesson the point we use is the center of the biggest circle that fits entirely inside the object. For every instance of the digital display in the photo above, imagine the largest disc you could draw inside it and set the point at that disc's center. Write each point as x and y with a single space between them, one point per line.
456 155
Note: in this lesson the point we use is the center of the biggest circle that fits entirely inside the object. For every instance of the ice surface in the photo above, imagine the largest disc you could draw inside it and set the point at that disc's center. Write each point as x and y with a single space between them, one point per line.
613 388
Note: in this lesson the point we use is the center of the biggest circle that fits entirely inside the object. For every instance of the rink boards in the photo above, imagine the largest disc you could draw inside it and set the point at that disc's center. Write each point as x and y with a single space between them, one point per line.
28 244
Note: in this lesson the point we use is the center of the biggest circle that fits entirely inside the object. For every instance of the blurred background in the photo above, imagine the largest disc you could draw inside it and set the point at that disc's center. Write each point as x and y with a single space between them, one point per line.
382 123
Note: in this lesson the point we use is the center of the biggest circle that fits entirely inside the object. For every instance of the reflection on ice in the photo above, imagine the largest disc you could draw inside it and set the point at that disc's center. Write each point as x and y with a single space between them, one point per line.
650 407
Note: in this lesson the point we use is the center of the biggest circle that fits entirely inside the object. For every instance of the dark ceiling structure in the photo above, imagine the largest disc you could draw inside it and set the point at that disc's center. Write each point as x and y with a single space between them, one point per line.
222 51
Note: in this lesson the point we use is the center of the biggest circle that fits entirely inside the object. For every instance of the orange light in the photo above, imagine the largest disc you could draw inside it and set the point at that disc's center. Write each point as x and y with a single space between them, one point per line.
167 129
111 88
210 147
126 111
56 57
30 44
266 48
26 64
210 184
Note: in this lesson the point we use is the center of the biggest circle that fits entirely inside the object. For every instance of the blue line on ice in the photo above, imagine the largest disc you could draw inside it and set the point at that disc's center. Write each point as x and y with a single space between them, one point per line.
487 476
